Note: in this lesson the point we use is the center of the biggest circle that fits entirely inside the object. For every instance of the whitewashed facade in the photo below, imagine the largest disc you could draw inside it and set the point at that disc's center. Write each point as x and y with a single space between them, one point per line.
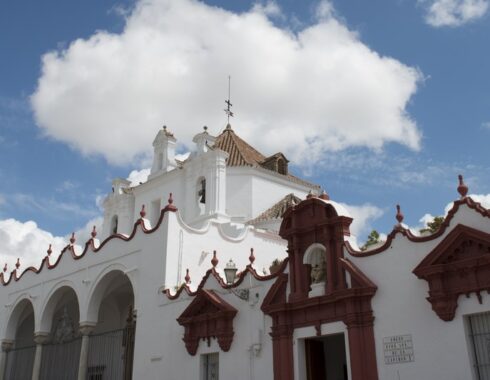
150 299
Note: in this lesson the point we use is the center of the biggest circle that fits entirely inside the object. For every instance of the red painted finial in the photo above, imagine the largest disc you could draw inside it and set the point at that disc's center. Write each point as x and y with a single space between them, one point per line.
399 215
251 257
94 232
170 206
72 239
462 188
214 260
5 267
187 276
49 251
17 264
324 195
142 212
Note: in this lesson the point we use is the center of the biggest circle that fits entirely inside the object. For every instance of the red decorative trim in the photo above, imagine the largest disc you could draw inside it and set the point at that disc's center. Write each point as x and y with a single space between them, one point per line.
213 272
207 316
89 245
421 239
460 264
316 221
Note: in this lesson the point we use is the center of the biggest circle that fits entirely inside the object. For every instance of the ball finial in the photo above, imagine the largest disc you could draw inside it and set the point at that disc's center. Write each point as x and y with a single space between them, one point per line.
142 212
399 215
17 264
49 251
72 239
462 188
187 276
251 258
214 260
94 232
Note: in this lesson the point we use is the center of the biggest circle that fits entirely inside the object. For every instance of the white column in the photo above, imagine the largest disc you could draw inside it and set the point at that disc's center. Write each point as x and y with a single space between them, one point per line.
216 194
6 347
86 329
39 338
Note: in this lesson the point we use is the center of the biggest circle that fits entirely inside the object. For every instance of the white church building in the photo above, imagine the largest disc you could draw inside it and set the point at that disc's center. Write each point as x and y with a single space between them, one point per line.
226 266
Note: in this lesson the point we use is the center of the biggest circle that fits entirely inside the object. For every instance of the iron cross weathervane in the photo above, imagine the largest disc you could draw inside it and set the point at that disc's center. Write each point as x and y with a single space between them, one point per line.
228 102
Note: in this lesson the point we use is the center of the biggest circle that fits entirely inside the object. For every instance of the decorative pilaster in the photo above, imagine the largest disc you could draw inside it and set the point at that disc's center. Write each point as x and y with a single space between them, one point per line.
40 338
6 347
85 329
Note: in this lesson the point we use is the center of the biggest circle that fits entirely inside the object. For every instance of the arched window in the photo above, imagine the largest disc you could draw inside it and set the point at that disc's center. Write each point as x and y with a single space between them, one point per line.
114 222
201 195
315 256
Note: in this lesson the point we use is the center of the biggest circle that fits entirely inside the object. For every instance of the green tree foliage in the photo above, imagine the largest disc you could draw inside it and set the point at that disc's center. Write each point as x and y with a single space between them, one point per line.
372 239
433 226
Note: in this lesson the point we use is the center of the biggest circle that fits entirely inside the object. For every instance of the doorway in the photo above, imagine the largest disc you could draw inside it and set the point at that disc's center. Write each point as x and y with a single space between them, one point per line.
326 358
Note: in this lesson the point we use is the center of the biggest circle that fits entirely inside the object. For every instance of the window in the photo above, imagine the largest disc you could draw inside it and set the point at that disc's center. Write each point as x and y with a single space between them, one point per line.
201 195
114 224
210 366
96 372
479 339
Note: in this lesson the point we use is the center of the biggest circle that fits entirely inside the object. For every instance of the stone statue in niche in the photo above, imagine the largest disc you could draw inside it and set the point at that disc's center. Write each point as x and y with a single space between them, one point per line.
318 268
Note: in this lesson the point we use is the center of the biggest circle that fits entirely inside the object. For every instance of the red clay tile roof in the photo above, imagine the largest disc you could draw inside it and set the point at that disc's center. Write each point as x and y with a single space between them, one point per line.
277 210
241 153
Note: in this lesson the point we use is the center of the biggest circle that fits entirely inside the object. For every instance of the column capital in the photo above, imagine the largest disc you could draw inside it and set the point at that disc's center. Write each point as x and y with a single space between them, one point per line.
86 328
7 345
41 337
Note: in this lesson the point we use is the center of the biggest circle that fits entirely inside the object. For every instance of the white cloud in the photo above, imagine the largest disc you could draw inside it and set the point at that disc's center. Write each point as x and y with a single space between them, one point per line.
320 89
27 242
486 125
454 12
270 8
138 176
363 216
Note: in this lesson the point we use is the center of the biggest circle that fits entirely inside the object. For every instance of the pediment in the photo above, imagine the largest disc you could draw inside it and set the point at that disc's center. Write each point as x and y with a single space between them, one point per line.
462 245
459 265
276 294
207 317
206 302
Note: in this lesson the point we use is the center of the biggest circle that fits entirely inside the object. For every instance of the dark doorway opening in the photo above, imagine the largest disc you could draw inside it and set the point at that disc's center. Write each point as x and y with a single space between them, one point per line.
326 358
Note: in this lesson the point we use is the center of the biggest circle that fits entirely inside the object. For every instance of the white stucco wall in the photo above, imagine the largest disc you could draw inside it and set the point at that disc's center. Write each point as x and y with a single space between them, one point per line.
441 350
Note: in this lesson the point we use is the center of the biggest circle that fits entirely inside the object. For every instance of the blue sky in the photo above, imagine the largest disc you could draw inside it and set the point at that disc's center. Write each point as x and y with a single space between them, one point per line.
423 63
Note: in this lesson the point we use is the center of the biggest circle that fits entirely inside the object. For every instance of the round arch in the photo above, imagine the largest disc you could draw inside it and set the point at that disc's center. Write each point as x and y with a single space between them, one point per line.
112 279
21 309
62 293
312 251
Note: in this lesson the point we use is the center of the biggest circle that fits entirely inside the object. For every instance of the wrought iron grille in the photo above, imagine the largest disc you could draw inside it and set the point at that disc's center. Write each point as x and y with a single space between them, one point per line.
106 356
19 363
479 328
59 361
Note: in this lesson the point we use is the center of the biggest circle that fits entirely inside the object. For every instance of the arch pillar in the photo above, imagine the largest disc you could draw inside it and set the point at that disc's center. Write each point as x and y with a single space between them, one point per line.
7 345
40 338
86 328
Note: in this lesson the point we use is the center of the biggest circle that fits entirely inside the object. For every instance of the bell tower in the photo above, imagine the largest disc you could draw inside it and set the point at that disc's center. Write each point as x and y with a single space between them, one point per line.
163 152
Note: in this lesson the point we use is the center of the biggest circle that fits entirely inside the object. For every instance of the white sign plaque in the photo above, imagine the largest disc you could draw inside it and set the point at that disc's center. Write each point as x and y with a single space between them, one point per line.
398 349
